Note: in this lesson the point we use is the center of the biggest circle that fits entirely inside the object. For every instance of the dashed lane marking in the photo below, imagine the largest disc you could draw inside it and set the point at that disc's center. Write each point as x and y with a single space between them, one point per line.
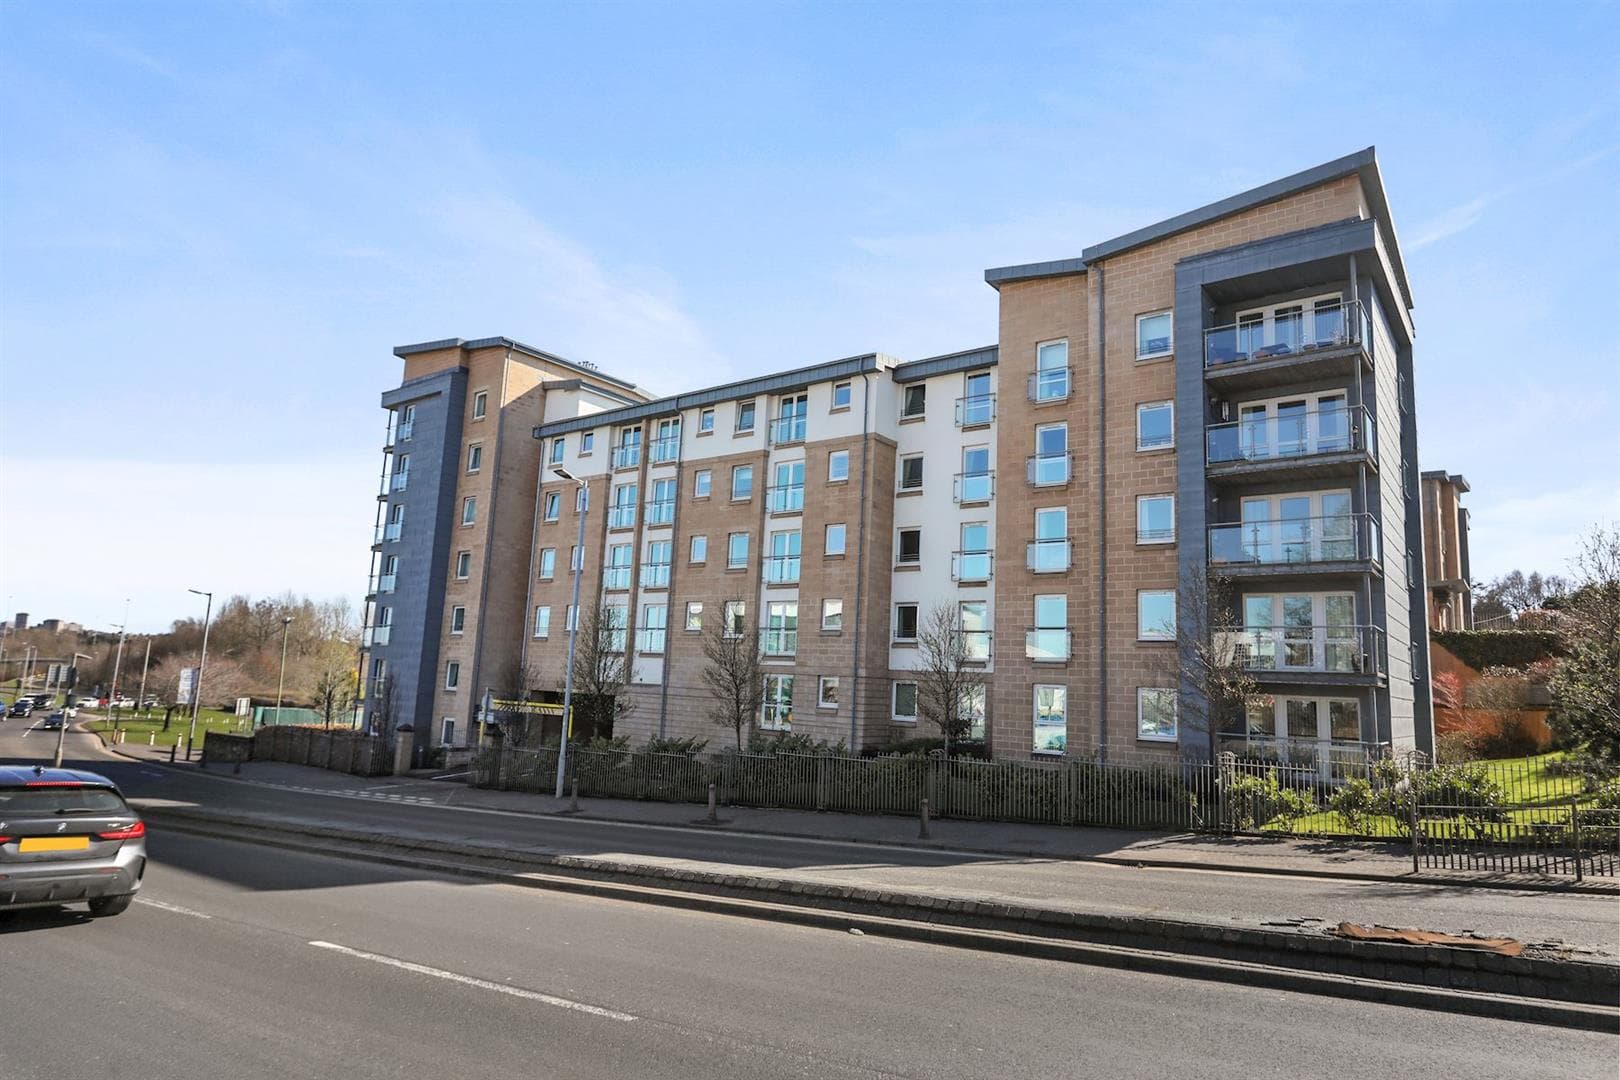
176 908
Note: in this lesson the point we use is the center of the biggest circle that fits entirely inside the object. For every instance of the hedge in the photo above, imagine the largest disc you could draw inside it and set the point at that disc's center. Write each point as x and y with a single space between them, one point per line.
1481 649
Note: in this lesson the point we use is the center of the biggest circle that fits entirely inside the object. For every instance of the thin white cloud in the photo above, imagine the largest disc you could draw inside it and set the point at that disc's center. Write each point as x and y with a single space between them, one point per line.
1464 216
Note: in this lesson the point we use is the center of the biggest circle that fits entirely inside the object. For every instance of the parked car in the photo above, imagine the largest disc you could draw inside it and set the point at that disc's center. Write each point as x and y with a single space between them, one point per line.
44 701
23 706
122 703
70 838
86 703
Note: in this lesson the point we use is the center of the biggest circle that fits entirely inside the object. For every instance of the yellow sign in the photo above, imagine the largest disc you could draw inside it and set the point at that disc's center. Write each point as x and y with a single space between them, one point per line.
531 708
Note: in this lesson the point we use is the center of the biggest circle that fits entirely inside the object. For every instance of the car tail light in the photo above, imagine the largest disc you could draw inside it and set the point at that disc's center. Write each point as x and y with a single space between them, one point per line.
132 832
53 783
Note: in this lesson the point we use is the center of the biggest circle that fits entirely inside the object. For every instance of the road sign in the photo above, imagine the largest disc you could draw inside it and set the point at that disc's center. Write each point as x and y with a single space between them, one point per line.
188 685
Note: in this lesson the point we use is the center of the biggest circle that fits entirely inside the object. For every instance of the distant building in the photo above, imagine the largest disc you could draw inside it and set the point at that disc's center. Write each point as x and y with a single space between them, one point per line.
1445 551
21 621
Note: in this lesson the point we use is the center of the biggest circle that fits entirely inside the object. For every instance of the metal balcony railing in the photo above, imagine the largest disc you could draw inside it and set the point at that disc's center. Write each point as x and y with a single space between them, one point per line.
975 645
386 582
661 512
786 430
1343 649
976 487
1289 436
976 410
627 457
1049 556
1288 332
622 517
1295 541
651 639
1050 384
1049 470
667 448
403 432
616 577
1047 644
655 575
782 569
377 635
779 641
391 530
971 565
785 498
400 480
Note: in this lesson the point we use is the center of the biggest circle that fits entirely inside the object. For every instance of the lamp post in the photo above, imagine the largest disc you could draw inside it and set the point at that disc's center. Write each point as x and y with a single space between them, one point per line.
286 621
145 665
118 663
578 560
196 686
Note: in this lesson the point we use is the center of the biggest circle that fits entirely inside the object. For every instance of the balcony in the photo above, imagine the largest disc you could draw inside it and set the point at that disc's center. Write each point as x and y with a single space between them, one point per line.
787 430
1327 340
972 489
1049 470
1047 646
386 582
785 498
978 410
400 480
621 517
661 512
1050 384
616 578
1049 556
665 449
655 575
400 433
1342 653
1324 544
651 639
779 641
971 567
975 645
627 457
377 635
1298 445
782 570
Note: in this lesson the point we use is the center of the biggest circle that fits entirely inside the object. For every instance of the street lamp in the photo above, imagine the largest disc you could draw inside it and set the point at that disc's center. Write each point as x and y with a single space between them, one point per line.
573 631
119 663
196 686
286 621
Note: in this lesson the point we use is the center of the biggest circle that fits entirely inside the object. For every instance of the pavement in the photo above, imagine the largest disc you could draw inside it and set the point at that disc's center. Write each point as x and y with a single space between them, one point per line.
261 963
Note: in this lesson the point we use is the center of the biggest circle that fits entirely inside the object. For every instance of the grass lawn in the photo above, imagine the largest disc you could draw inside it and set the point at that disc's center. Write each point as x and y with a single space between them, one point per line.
138 728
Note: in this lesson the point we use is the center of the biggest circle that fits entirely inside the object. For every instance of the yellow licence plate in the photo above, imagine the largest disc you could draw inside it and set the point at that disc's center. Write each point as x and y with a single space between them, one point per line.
53 843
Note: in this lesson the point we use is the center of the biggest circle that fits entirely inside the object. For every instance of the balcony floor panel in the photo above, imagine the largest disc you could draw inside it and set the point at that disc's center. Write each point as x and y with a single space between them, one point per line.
1304 468
1296 570
1292 368
1316 678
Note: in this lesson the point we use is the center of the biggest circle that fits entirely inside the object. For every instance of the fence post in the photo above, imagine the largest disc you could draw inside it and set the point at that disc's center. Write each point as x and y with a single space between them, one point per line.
1575 827
922 822
151 738
714 815
821 781
1412 826
573 802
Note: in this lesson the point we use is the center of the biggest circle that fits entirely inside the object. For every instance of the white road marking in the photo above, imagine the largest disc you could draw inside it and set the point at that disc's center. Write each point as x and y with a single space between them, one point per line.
176 908
482 984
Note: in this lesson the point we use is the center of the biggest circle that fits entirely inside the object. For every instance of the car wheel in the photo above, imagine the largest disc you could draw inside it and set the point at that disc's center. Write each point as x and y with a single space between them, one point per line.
103 906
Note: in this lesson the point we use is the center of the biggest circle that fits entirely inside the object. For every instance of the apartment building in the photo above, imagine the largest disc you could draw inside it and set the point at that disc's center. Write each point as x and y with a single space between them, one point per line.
1445 551
1201 429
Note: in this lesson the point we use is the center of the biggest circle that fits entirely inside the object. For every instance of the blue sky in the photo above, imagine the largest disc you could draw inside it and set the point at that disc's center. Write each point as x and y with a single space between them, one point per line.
217 220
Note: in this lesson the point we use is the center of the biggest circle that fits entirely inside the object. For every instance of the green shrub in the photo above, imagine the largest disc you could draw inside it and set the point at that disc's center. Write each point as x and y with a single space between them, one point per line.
1605 808
688 746
960 748
791 742
1254 801
1354 802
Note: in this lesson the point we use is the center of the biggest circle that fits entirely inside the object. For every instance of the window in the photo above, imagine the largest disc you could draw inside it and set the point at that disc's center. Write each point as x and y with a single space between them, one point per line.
1050 465
1156 615
700 550
972 562
469 510
458 619
1049 551
1051 719
787 492
463 565
582 499
587 442
1156 714
542 621
475 457
559 446
913 401
1153 336
548 563
777 712
402 473
789 426
396 522
571 617
736 551
553 506
832 614
576 561
834 544
622 514
666 444
655 570
973 710
1302 527
745 416
911 472
694 615
452 674
905 622
974 621
838 465
840 396
661 503
407 421
742 482
615 624
975 484
1155 519
781 628
447 731
905 703
616 575
827 692
391 573
480 404
1051 379
1049 640
705 421
909 549
1301 631
978 405
653 632
1155 425
702 483
735 618
783 568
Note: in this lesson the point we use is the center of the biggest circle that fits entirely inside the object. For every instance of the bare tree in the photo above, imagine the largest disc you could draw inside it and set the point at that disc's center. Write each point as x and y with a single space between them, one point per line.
1586 683
1211 659
601 672
950 674
734 675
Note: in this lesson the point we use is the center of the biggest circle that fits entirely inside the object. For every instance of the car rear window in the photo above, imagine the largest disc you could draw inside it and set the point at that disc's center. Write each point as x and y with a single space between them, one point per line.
32 801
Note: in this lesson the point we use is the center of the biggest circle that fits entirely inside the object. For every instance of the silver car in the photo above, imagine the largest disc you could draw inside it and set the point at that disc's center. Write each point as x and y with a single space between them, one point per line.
67 836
